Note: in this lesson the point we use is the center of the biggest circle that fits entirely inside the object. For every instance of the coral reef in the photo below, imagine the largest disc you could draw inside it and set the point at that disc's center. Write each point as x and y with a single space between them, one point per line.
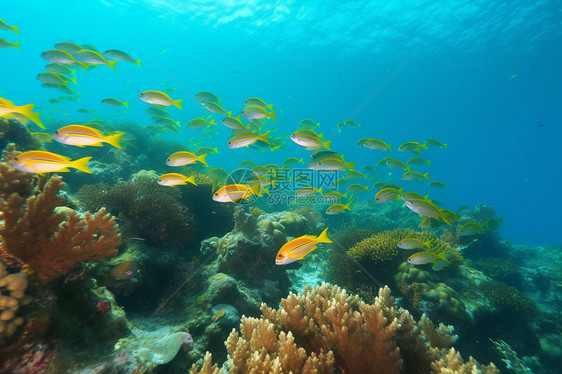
14 131
49 237
325 329
12 289
507 299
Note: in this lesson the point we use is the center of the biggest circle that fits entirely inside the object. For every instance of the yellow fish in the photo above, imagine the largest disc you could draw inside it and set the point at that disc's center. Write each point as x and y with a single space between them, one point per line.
94 58
45 162
5 26
81 136
297 248
234 192
257 112
159 98
8 108
185 158
245 139
175 179
338 208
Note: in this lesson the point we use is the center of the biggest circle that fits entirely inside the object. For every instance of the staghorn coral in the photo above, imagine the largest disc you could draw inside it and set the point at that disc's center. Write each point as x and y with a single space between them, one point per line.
325 329
508 300
144 208
52 241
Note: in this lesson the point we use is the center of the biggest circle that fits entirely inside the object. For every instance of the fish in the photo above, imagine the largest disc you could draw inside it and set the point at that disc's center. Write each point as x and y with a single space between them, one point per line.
118 55
387 194
338 208
257 112
412 243
200 123
85 111
185 158
421 258
206 151
114 102
248 164
124 270
353 174
260 171
426 208
164 121
207 97
436 143
414 176
234 124
413 195
215 108
159 98
330 164
54 78
357 188
298 248
397 164
309 141
175 179
61 57
7 45
219 173
157 112
60 87
349 123
8 108
245 139
371 170
236 192
418 161
411 147
259 102
291 162
383 161
59 68
307 191
471 228
89 47
69 47
437 184
41 162
308 123
323 154
81 136
335 196
94 58
5 26
374 144
42 137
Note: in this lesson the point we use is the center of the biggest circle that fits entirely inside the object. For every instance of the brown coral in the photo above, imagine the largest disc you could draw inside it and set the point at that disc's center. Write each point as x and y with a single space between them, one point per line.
52 242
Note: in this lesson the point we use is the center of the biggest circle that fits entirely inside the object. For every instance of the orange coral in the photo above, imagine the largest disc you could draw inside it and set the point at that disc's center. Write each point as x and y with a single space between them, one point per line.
51 239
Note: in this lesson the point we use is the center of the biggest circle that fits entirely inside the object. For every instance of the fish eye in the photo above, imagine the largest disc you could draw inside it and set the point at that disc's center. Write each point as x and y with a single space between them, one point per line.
16 158
216 194
280 255
57 132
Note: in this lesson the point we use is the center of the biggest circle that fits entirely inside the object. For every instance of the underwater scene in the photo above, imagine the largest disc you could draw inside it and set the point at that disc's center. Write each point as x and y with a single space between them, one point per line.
217 186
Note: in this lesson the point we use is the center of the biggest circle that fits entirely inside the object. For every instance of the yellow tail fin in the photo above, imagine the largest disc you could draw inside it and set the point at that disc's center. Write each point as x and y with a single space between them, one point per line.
270 106
16 45
82 165
264 137
126 104
114 139
27 110
112 64
177 103
201 159
137 62
73 80
82 65
15 29
191 180
323 237
272 116
327 145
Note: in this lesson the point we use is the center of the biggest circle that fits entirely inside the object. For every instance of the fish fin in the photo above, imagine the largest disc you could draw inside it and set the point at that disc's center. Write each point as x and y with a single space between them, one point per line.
320 192
219 99
73 80
348 205
390 149
126 104
201 159
323 237
15 29
263 137
16 45
137 62
272 115
83 65
270 106
427 244
417 150
82 164
428 162
255 190
350 165
27 110
327 145
177 103
216 149
264 190
212 122
114 139
111 64
423 146
191 180
445 146
426 175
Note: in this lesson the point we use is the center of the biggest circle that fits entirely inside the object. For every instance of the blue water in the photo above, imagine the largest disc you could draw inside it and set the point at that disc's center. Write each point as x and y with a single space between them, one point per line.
482 76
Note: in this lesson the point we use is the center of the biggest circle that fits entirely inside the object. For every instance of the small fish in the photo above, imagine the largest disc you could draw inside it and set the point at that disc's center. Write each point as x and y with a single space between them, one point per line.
471 228
69 47
206 151
307 191
414 176
157 112
200 123
5 26
348 123
248 164
309 141
383 161
412 243
86 111
124 270
159 98
335 196
418 161
59 56
59 68
436 143
89 47
338 208
81 136
166 122
375 144
297 248
246 139
118 55
397 164
257 112
234 124
8 108
207 97
357 188
411 147
236 192
42 137
353 174
215 108
219 173
426 208
308 123
54 78
60 87
259 102
175 179
387 194
413 195
330 164
114 102
94 58
426 257
437 184
260 171
6 44
291 162
41 162
185 158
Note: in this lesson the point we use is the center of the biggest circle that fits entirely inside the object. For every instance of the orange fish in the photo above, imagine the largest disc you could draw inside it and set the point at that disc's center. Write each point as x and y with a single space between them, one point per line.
45 162
297 248
81 136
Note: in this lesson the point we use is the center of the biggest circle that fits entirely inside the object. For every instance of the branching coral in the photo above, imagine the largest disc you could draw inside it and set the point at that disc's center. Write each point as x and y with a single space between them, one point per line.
325 328
12 288
507 299
52 240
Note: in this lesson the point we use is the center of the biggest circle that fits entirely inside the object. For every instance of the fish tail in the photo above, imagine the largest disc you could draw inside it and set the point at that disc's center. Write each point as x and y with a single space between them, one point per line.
27 110
229 113
350 165
177 103
270 106
272 115
428 162
348 205
16 45
264 137
417 150
137 62
426 175
125 104
15 29
114 139
345 195
212 122
82 164
427 244
83 65
444 218
327 145
191 180
423 146
216 149
323 237
389 148
320 192
255 190
112 64
445 146
201 159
